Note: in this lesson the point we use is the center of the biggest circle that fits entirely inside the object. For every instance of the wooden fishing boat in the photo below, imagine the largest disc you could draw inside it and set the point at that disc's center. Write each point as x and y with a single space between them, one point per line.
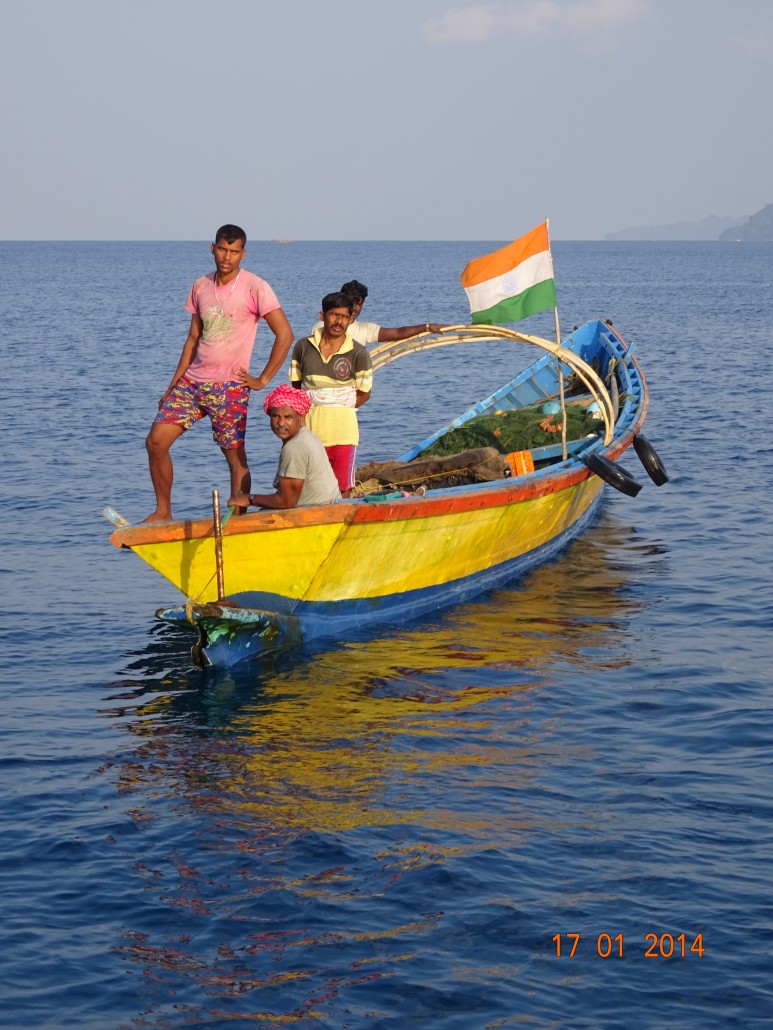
272 578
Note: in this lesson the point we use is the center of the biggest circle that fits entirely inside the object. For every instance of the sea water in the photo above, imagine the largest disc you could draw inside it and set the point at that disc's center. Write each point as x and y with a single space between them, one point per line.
551 806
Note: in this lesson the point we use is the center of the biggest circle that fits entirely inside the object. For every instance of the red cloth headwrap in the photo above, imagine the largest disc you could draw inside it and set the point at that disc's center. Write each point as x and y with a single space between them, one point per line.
288 397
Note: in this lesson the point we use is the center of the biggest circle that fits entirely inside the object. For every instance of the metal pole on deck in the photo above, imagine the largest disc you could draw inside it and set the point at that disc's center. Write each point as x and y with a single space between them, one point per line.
218 544
560 364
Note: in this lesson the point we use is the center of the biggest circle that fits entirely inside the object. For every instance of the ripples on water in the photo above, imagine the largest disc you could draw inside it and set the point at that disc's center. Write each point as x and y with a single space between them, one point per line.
389 832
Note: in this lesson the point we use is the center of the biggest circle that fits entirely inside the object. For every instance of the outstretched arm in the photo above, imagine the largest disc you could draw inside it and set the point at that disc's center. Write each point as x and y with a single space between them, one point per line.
283 337
405 331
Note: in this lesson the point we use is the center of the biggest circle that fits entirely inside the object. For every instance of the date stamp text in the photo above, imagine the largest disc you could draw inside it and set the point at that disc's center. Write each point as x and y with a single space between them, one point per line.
607 945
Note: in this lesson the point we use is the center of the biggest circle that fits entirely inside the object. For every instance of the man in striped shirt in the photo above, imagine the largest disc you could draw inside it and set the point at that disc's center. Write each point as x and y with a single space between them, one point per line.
336 371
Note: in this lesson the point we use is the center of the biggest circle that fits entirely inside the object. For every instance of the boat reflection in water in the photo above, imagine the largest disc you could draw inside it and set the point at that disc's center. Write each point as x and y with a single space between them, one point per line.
314 741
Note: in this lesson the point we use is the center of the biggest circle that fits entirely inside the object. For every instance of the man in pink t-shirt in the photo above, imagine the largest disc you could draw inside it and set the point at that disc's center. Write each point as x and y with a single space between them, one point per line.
211 377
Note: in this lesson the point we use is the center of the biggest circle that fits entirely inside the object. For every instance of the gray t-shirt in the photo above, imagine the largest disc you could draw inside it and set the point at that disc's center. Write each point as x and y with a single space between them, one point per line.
304 457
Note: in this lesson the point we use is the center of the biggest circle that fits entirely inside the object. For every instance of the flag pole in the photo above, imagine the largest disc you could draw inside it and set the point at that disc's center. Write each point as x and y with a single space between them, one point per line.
560 363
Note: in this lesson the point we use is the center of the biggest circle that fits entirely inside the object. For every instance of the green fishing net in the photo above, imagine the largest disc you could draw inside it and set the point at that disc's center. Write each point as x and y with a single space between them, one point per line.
520 430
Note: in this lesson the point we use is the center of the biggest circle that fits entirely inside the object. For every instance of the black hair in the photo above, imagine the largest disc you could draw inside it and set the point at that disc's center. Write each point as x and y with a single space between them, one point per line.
356 290
231 233
337 300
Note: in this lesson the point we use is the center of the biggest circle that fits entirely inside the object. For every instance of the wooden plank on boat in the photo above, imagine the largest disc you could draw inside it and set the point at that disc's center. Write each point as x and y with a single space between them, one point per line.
479 465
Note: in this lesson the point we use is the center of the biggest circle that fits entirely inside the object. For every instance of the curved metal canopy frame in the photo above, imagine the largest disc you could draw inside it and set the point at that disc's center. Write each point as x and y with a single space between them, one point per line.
386 353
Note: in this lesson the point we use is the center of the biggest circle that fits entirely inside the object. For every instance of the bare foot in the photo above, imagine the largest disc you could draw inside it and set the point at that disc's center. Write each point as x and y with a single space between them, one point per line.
159 516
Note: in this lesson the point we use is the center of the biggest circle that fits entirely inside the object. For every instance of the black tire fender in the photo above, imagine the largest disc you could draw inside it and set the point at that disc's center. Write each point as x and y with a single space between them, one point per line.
648 456
613 474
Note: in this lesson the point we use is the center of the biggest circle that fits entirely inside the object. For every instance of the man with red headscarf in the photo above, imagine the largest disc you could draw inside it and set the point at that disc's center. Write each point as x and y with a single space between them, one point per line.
303 475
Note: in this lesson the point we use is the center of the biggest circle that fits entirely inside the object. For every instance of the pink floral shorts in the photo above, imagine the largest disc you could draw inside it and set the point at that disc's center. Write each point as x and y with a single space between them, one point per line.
224 403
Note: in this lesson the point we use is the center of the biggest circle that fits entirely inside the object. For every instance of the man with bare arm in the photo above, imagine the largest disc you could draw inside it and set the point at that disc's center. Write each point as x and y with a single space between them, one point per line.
304 475
370 332
225 308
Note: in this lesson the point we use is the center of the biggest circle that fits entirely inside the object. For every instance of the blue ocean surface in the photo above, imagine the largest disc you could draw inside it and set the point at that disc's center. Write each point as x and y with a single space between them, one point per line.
549 807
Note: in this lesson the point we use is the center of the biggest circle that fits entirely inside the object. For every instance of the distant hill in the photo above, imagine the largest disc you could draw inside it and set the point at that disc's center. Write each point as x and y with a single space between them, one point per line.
757 227
712 228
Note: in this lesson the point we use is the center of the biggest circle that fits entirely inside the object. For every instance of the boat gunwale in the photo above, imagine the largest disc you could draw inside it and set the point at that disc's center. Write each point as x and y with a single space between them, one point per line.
450 500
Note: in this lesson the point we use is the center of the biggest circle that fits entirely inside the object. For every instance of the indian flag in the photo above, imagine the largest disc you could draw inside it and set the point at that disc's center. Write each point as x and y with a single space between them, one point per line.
512 283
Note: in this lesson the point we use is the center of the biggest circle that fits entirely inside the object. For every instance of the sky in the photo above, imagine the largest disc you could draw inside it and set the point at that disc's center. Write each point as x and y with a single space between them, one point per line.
381 119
